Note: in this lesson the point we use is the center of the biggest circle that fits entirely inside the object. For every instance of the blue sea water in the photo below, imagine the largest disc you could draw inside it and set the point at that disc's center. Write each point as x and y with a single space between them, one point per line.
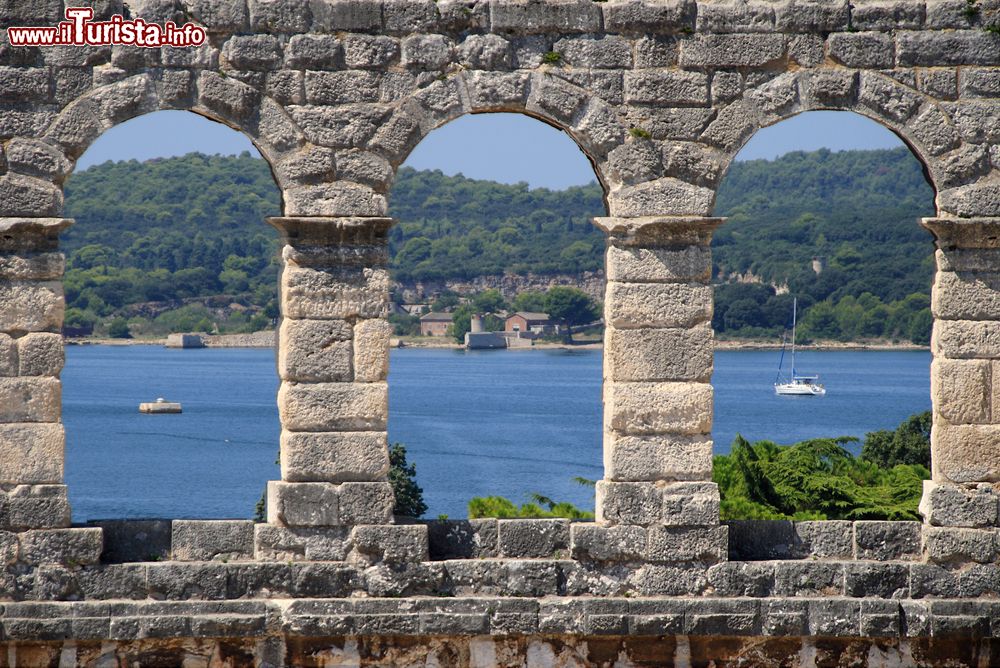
474 422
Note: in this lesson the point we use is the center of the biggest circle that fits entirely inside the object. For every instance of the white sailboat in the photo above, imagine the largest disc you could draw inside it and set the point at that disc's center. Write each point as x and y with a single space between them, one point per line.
796 385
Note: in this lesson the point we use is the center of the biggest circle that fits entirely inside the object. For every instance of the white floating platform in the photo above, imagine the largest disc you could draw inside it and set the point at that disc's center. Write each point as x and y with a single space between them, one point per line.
161 405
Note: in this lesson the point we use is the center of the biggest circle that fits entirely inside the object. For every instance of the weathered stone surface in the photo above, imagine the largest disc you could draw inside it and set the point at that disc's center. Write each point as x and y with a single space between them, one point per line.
529 17
666 88
887 541
690 504
31 306
525 538
366 502
252 52
40 354
945 544
962 390
72 547
347 456
959 506
656 265
334 293
8 356
639 16
638 503
31 453
315 350
635 305
966 296
938 48
965 453
780 539
333 406
31 266
711 51
30 399
34 507
677 354
867 50
462 539
394 544
134 540
971 200
207 540
278 543
637 458
659 408
302 504
670 544
371 350
611 543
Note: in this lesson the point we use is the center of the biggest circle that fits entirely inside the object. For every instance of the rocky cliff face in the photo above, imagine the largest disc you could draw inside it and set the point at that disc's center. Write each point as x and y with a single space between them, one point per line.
591 282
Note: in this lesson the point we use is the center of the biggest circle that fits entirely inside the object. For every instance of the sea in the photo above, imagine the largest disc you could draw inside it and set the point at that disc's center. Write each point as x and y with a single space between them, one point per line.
475 423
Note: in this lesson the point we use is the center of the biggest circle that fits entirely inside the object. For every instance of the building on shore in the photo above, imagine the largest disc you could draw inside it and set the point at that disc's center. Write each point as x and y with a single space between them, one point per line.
529 323
435 324
184 341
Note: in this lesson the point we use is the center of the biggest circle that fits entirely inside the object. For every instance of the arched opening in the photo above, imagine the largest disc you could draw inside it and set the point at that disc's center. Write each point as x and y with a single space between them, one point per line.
494 234
823 220
170 239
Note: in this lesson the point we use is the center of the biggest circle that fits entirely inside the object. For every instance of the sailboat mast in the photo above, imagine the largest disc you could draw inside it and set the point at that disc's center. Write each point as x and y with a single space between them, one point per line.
795 306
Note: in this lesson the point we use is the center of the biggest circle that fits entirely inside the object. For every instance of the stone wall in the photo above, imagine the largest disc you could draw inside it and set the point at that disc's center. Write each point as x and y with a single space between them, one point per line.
660 95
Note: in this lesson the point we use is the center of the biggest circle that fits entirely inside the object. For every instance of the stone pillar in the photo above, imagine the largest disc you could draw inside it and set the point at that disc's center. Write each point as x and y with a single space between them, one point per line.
657 367
333 349
965 374
32 440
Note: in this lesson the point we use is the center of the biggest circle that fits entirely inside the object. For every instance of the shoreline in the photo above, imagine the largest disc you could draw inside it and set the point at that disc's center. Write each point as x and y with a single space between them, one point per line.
723 344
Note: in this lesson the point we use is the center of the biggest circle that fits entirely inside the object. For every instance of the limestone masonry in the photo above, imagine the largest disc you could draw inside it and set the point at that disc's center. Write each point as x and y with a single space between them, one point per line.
660 95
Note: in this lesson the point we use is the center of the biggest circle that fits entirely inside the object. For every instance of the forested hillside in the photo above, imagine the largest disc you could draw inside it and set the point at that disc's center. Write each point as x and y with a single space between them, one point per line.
180 230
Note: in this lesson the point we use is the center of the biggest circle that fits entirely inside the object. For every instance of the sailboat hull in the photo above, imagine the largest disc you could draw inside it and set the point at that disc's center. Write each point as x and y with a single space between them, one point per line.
799 389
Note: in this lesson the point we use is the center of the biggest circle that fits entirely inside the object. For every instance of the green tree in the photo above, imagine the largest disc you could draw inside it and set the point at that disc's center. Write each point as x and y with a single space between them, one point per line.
531 300
571 307
910 443
403 478
118 329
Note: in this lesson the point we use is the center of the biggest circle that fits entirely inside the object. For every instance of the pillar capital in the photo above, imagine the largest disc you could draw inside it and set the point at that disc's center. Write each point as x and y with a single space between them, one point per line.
331 230
659 230
30 234
950 233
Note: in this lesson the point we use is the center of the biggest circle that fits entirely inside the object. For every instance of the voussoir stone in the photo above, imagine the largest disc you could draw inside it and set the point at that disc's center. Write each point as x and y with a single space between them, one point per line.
333 406
347 456
659 408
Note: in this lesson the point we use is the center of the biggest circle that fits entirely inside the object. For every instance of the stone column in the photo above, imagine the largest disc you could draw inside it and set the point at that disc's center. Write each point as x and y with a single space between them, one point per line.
657 367
333 360
965 374
32 440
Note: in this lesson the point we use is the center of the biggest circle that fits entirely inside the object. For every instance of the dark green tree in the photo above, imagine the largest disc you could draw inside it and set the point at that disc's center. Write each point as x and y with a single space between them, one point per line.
571 307
118 329
910 443
403 477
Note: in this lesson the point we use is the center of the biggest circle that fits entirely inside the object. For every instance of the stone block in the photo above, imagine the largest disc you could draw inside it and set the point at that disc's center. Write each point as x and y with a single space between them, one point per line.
755 540
72 547
342 87
391 543
592 542
965 453
651 458
34 507
302 504
278 543
180 580
8 356
887 98
811 16
600 52
463 539
863 50
719 51
349 456
966 295
665 196
966 339
946 544
887 541
808 578
314 52
31 453
639 503
371 350
527 538
886 15
366 503
28 266
30 399
673 544
485 52
670 88
972 201
524 17
134 540
932 48
335 293
952 505
666 305
31 306
333 406
252 52
315 350
742 579
675 354
931 580
370 51
40 354
690 504
643 17
207 540
962 390
641 409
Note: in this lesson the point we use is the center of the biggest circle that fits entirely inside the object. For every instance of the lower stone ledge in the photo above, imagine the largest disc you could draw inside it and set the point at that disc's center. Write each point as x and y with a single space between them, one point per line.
822 617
